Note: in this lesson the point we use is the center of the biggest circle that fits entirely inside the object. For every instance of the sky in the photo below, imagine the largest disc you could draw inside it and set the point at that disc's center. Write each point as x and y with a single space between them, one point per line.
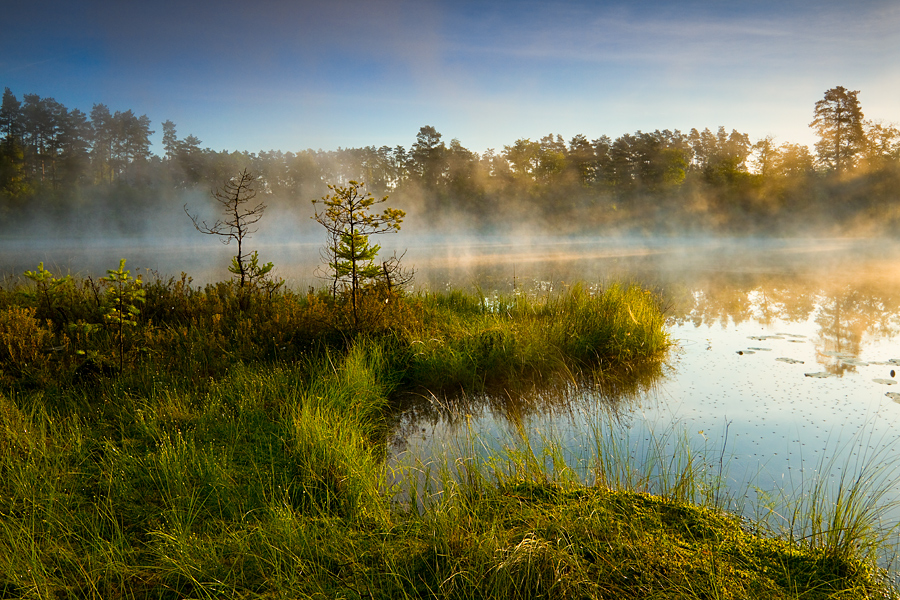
280 75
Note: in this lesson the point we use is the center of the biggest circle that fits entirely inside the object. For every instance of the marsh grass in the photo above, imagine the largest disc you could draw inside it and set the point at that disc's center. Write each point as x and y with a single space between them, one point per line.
516 342
239 451
448 342
856 513
642 516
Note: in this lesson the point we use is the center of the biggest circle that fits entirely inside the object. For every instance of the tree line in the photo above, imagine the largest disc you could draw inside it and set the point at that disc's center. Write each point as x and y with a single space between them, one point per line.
54 160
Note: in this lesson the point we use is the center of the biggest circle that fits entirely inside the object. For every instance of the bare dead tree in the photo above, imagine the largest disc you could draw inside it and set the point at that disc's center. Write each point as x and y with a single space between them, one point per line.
395 274
235 197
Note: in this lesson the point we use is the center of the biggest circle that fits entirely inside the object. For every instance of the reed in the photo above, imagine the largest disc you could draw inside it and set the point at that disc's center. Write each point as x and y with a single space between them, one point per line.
216 449
633 517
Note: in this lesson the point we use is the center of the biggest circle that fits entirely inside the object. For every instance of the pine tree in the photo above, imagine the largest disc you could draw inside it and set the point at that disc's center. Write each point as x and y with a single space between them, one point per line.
349 221
839 123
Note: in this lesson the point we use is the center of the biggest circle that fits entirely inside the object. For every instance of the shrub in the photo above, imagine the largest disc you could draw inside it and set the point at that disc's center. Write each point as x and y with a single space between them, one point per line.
23 342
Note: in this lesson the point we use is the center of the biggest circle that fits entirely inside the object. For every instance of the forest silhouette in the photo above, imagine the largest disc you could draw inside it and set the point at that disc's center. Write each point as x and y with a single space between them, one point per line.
57 162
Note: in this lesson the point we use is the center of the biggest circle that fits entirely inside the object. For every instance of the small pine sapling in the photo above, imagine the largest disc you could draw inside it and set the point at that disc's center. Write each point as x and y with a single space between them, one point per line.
349 220
50 293
123 293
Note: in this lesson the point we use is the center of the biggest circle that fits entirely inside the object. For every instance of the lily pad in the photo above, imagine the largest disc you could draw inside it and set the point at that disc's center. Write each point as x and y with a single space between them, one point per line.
819 375
762 338
762 349
854 362
790 361
895 396
886 381
746 352
797 341
793 335
841 355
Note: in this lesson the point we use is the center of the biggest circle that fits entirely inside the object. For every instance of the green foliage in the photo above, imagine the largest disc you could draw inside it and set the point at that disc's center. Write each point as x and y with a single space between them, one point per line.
50 293
664 181
244 457
437 341
839 124
256 276
457 341
122 293
355 256
121 311
349 219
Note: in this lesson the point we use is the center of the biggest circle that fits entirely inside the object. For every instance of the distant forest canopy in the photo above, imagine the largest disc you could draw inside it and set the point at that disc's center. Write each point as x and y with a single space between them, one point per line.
56 162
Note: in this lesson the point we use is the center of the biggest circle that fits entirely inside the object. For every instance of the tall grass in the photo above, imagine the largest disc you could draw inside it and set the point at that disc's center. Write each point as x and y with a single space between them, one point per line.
439 342
456 343
193 492
239 451
856 514
520 521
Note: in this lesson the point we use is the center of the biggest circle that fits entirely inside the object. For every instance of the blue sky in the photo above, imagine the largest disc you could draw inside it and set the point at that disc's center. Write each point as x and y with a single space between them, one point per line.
296 75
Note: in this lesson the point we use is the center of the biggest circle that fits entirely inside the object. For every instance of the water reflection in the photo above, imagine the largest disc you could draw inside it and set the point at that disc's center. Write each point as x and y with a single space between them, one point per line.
783 370
864 303
616 393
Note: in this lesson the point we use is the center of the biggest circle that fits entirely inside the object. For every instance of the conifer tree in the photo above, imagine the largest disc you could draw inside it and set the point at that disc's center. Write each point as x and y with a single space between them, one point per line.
839 123
348 218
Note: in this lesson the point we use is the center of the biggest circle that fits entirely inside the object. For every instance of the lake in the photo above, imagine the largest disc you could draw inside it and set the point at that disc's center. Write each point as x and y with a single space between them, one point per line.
784 369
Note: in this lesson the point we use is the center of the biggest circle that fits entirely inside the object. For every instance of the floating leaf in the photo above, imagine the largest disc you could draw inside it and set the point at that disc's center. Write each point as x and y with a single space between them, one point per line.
762 349
854 362
895 396
886 381
790 361
819 375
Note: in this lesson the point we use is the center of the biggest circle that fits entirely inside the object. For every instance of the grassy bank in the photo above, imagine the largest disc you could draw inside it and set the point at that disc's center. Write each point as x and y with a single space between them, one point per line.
214 446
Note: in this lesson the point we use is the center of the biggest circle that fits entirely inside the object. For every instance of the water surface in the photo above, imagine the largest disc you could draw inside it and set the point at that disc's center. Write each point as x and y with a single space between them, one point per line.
785 365
785 360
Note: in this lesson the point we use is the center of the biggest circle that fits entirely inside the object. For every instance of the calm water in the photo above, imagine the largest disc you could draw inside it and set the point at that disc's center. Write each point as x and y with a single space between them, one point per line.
785 366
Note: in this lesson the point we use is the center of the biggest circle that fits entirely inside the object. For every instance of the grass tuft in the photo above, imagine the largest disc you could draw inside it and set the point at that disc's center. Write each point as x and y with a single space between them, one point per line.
225 448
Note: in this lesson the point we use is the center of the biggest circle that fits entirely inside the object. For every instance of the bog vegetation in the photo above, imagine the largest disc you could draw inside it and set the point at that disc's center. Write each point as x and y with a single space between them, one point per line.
164 440
160 439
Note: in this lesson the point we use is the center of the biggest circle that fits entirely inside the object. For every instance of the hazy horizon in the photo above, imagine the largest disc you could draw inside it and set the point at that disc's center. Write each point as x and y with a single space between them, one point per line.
291 76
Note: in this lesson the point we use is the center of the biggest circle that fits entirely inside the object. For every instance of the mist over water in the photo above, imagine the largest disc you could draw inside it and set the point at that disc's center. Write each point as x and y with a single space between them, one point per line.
784 364
501 262
783 357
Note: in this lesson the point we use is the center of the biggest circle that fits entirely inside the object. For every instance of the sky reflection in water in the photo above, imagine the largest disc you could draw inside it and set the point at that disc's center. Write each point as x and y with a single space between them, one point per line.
750 324
722 386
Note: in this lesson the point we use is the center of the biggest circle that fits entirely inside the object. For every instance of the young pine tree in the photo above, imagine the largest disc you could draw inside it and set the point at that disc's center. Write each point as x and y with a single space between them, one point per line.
349 218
